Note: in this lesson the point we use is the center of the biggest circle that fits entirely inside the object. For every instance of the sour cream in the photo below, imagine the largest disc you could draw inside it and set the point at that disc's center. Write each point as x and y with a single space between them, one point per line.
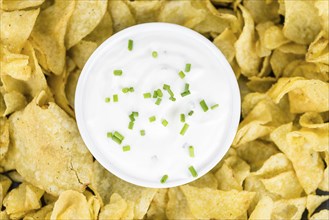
162 150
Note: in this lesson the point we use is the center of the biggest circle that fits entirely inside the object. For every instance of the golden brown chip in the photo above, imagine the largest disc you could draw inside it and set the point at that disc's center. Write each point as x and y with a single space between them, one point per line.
11 5
208 203
225 42
145 11
81 52
49 151
158 205
177 207
22 200
43 213
274 38
71 205
263 210
107 184
121 15
115 209
293 48
262 11
261 28
71 85
85 17
306 70
306 162
246 54
207 180
289 209
302 22
318 50
16 27
4 137
5 183
304 95
280 60
48 35
260 84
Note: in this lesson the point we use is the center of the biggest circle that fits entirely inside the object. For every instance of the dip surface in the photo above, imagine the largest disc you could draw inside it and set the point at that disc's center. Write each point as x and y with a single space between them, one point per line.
162 150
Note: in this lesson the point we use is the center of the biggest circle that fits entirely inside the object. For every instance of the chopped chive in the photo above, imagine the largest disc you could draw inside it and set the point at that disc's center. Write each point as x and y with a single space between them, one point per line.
116 139
152 118
184 129
181 75
147 95
117 72
135 114
126 148
115 98
182 117
142 132
187 87
118 135
190 113
193 171
155 94
125 90
159 92
172 98
154 54
107 99
204 105
191 151
165 86
214 106
185 93
131 125
131 89
158 101
187 67
164 122
132 117
164 179
109 134
130 44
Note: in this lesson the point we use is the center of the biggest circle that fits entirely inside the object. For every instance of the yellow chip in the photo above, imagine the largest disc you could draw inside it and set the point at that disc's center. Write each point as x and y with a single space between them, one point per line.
306 70
14 101
48 35
121 15
263 210
4 137
177 207
318 50
280 60
263 11
261 28
22 200
313 202
309 169
16 27
225 42
103 31
43 213
145 11
71 85
302 22
323 9
304 95
260 84
208 203
289 209
107 184
11 5
115 209
85 17
323 214
293 48
46 134
71 205
5 183
274 38
246 54
207 180
81 52
94 203
158 205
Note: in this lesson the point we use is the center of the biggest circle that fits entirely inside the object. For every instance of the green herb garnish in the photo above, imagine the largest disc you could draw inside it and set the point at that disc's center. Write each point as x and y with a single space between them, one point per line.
130 44
182 117
147 95
187 67
159 92
142 132
164 122
193 171
214 106
191 151
107 99
190 113
117 72
152 118
181 75
154 54
158 101
204 106
126 148
164 179
131 125
115 98
184 129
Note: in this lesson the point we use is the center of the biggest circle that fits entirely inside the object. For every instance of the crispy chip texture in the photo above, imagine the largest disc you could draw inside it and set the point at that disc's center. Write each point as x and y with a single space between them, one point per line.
50 137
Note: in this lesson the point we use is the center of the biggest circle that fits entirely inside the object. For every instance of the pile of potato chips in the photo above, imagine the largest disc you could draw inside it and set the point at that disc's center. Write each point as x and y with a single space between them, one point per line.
278 162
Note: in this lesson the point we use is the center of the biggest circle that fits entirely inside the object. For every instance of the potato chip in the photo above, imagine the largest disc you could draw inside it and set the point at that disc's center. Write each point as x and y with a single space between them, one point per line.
261 28
3 215
309 169
11 5
246 54
280 60
4 137
260 84
312 120
323 214
71 205
284 184
15 65
158 205
318 50
107 184
15 176
81 52
94 203
103 31
274 38
8 162
5 183
313 202
255 153
177 207
85 17
115 209
48 35
43 213
16 27
289 209
324 184
46 134
71 85
302 23
261 11
323 9
306 70
304 95
263 210
225 42
121 15
207 203
293 48
145 11
207 180
274 165
49 198
22 200
14 101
